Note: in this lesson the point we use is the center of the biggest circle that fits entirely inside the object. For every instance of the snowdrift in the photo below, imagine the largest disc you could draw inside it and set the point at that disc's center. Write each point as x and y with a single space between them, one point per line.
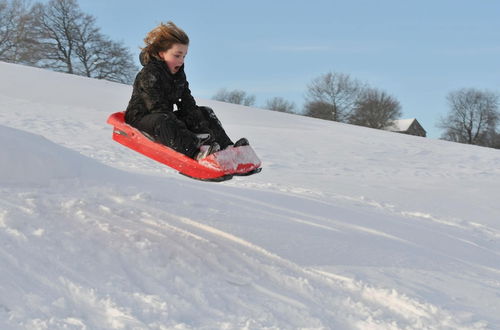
30 159
347 228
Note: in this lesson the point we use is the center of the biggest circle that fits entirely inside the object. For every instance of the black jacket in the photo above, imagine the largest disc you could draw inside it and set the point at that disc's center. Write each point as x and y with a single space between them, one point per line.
157 90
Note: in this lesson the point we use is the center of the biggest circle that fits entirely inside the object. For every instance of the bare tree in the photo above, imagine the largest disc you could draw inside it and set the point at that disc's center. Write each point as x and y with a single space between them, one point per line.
235 97
375 109
71 42
9 29
280 104
318 109
99 57
336 92
87 43
496 141
472 118
114 62
17 41
58 23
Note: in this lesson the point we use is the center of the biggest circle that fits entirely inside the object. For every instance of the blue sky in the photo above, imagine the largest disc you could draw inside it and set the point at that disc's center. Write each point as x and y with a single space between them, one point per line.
417 51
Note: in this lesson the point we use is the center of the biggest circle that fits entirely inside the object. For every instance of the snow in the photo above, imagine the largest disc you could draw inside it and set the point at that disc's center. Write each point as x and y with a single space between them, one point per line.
345 228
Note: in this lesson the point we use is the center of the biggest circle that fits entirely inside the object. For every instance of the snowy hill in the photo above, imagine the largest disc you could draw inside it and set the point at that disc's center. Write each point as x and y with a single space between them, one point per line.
345 228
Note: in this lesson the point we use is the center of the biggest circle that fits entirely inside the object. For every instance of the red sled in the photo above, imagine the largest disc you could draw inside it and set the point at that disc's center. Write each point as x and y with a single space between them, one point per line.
219 166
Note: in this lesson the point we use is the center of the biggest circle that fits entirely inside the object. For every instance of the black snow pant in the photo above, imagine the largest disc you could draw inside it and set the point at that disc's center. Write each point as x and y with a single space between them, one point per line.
217 132
174 132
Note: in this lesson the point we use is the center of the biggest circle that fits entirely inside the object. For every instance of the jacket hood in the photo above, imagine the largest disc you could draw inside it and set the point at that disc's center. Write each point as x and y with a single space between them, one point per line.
142 58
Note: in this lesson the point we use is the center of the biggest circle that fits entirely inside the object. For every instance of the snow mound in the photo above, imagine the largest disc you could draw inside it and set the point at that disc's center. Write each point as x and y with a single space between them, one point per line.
27 159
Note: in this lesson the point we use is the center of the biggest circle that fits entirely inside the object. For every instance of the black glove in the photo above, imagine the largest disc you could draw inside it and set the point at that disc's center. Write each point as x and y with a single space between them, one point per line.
203 138
200 126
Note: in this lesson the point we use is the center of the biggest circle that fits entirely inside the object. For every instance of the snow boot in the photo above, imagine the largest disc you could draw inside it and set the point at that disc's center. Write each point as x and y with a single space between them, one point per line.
241 142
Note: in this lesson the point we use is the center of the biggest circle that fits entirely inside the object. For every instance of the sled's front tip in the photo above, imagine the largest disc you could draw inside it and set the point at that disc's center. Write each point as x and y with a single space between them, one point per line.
234 160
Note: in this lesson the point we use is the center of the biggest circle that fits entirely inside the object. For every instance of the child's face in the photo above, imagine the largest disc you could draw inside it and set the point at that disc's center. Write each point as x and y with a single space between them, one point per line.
174 57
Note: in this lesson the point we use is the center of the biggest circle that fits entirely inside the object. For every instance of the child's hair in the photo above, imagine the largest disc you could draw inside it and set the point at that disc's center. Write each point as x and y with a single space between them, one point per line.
162 38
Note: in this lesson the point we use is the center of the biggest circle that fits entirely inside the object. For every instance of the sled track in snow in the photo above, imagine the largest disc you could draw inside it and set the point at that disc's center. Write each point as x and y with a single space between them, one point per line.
369 299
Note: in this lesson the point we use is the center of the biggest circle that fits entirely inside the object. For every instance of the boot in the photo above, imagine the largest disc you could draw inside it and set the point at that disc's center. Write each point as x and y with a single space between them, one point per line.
241 142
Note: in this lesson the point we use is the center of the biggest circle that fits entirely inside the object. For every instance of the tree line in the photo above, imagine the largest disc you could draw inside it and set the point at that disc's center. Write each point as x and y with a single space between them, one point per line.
472 118
59 36
332 96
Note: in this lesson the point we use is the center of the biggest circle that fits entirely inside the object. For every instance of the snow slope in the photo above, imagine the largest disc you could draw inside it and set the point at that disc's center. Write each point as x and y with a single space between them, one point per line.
345 227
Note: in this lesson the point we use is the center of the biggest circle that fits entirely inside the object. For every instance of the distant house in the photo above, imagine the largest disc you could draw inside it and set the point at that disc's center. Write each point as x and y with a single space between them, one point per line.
407 126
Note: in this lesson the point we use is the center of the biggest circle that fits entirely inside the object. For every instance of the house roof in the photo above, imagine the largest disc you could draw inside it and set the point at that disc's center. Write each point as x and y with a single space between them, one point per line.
401 125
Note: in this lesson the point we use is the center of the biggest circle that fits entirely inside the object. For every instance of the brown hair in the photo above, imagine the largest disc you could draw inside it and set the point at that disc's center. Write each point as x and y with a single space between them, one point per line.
162 38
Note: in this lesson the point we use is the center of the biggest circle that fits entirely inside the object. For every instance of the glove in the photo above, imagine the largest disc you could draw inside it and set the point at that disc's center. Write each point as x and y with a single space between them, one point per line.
203 138
200 126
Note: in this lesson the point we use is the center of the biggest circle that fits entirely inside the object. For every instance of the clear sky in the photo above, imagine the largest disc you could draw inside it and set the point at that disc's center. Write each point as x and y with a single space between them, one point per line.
417 51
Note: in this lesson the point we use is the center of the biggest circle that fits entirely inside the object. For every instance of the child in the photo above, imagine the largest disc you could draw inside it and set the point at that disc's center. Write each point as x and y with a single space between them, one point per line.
161 84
